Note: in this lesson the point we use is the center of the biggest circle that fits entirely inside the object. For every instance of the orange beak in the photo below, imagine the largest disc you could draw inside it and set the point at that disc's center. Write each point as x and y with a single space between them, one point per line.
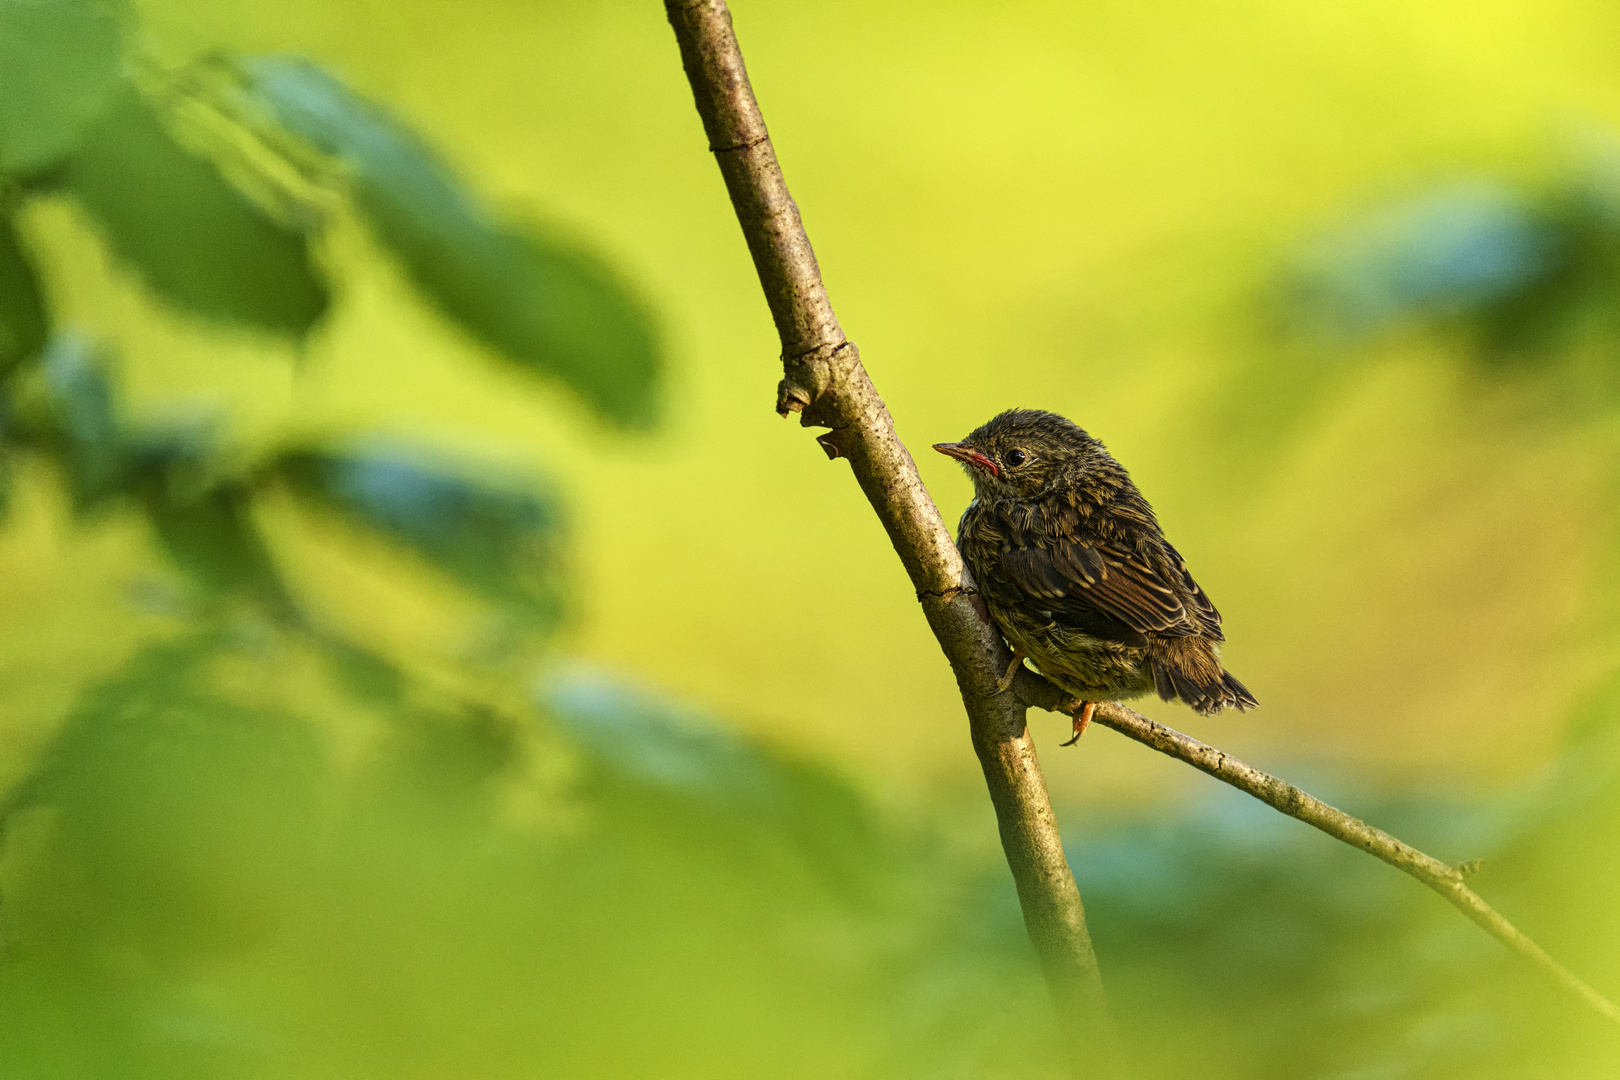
964 452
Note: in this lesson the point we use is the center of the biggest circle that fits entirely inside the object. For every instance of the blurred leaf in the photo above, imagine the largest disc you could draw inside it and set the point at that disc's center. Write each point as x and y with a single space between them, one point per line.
695 767
1448 250
23 322
184 813
364 674
185 867
1577 296
1303 956
635 734
59 63
502 542
193 237
1524 276
213 538
540 303
204 521
84 420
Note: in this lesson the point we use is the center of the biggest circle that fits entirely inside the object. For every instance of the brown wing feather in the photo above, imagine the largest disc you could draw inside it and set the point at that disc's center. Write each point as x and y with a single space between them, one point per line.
1079 579
1199 604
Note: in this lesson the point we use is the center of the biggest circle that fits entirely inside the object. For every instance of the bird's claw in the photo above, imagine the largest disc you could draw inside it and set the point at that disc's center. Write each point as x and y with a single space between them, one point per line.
1006 679
1082 713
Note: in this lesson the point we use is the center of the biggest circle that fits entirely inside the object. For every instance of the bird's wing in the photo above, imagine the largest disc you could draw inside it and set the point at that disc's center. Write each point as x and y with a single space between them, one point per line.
1199 605
1096 587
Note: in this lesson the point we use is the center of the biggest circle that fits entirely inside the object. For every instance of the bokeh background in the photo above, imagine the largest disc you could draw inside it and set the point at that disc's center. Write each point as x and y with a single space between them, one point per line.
645 764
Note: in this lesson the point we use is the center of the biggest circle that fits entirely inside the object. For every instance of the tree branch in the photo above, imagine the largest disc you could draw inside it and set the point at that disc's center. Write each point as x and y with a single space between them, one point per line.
1444 879
826 383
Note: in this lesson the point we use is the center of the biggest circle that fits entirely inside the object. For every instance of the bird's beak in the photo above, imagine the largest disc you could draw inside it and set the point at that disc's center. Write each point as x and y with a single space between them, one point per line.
964 452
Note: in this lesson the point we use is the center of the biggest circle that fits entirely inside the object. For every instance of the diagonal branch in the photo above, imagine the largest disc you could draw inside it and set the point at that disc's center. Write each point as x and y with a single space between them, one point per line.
1443 878
826 383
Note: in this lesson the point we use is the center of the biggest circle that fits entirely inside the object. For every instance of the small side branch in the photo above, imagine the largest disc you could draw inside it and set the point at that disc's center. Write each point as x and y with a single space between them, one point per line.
1444 879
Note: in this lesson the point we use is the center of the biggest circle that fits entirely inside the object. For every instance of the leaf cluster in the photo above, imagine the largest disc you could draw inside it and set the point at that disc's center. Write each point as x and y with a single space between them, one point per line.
1522 274
217 185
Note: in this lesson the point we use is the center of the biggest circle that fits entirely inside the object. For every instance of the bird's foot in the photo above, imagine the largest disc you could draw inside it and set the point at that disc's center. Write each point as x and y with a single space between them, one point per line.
1081 711
1012 672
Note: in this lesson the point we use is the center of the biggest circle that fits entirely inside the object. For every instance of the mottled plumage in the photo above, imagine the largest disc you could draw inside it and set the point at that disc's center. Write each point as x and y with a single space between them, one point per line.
1074 570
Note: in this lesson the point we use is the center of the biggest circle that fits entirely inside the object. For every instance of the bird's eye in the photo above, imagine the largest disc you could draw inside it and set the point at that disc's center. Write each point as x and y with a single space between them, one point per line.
1015 458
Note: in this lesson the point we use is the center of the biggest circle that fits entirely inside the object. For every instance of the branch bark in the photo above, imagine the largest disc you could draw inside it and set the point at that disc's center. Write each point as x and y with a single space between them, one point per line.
1443 878
825 382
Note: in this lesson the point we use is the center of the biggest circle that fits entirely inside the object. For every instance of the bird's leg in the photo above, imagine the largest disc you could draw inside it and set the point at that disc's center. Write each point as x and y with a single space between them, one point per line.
1012 672
1081 712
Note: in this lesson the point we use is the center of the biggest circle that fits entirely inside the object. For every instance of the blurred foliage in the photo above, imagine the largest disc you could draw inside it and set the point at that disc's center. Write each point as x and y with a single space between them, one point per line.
238 240
1525 275
79 423
530 297
22 309
59 63
203 878
195 886
504 542
196 240
1458 249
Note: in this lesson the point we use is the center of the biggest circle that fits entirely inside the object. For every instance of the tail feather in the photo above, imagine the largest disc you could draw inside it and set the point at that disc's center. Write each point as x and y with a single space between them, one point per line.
1161 681
1189 670
1241 699
1200 697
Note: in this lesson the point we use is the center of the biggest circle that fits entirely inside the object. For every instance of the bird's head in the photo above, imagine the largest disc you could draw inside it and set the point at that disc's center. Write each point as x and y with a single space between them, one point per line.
1022 453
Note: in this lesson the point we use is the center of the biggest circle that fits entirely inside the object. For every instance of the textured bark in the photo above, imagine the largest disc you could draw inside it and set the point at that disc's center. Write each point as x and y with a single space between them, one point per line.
826 383
1443 878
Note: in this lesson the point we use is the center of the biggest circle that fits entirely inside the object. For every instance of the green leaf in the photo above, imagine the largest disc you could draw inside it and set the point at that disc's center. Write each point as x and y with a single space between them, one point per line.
183 810
213 538
364 674
84 420
193 237
637 742
23 322
501 541
541 303
204 521
58 65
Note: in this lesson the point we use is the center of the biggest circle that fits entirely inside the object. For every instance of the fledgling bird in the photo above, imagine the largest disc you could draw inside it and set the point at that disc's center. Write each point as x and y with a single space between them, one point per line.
1077 575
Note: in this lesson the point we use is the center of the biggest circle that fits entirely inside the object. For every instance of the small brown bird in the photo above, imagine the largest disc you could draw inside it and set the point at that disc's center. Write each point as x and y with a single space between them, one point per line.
1077 576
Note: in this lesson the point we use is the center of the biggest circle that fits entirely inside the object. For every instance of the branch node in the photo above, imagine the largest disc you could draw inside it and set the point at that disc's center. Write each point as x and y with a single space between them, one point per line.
791 397
1466 870
748 145
807 376
827 443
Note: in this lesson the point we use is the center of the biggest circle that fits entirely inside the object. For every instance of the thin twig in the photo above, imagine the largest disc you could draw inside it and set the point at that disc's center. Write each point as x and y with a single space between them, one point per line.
826 383
1443 878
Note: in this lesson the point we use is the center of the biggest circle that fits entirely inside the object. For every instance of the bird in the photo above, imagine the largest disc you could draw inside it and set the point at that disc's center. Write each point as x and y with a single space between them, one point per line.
1077 575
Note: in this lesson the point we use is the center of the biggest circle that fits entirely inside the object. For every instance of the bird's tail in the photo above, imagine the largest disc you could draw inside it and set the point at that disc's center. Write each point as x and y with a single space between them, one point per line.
1190 669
